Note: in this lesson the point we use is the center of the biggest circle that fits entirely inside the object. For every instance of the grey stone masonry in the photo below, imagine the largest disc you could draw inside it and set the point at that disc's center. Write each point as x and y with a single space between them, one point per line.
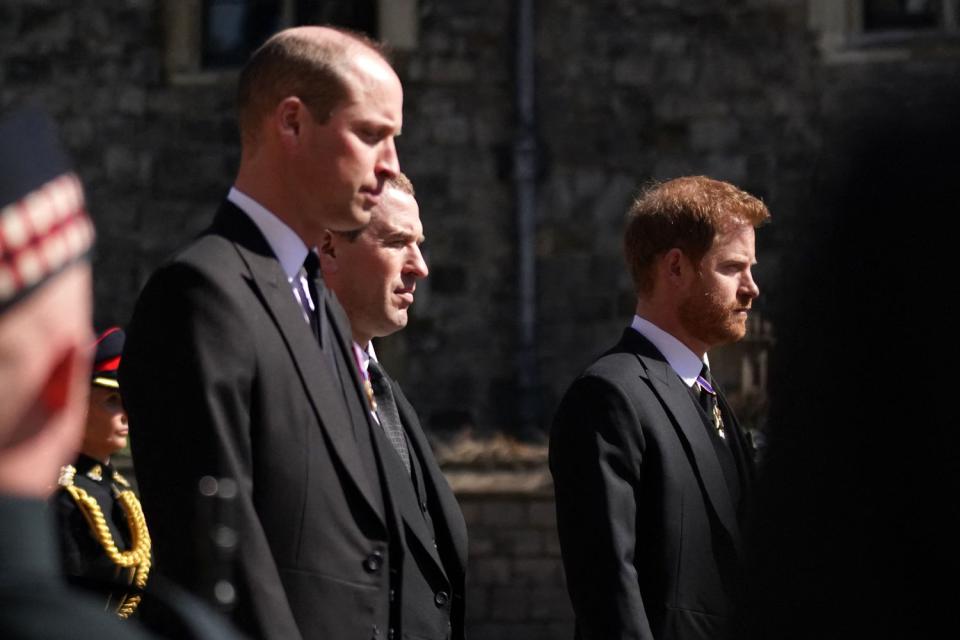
515 580
625 92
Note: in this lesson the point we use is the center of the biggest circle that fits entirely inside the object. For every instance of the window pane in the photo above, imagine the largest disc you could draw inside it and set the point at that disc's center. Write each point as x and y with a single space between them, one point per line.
901 14
358 15
232 29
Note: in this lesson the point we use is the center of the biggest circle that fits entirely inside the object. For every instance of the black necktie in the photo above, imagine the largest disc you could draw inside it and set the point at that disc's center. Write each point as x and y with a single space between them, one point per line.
387 411
309 272
708 400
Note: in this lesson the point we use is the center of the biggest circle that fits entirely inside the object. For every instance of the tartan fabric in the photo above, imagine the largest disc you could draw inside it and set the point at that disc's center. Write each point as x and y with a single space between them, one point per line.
40 234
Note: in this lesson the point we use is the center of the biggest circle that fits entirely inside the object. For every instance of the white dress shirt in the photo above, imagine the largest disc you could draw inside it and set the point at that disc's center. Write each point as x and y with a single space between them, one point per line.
286 245
678 355
364 356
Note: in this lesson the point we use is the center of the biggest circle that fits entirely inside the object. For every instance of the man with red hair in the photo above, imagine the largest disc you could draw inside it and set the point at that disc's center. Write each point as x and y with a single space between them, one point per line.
651 469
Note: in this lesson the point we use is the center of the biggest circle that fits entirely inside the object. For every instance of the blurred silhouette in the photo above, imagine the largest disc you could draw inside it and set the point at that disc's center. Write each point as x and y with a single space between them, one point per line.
855 525
45 317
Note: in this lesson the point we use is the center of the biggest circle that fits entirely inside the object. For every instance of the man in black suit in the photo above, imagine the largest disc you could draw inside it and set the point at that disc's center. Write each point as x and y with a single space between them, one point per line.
373 273
651 470
238 362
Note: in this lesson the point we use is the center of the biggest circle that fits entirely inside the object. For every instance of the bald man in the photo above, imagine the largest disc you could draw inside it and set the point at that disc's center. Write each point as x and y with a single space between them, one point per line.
238 362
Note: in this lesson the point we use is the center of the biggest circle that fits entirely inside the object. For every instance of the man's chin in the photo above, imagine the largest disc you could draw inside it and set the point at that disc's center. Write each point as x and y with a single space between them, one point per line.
351 218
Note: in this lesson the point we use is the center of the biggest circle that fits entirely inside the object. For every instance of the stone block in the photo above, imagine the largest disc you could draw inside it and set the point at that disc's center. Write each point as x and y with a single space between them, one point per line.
477 605
537 571
519 543
503 513
634 71
470 509
486 571
452 130
132 100
732 168
450 71
542 514
510 604
121 163
550 603
492 631
480 545
714 134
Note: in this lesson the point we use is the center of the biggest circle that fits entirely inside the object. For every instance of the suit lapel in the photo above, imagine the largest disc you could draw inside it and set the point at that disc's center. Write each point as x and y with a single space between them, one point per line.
269 281
688 421
435 484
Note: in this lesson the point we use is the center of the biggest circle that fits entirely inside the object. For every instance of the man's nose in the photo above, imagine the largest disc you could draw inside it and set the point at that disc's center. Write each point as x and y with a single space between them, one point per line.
388 162
417 264
749 285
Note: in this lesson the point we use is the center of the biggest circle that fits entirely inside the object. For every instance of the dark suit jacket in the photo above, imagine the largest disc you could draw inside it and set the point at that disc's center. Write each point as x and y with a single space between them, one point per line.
221 376
649 526
435 559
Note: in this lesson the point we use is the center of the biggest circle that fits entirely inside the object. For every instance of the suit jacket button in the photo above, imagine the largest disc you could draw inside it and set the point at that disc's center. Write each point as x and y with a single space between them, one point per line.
373 562
390 634
442 598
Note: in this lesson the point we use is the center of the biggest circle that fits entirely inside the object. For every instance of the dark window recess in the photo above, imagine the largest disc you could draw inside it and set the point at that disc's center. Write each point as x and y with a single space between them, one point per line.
888 15
356 15
232 29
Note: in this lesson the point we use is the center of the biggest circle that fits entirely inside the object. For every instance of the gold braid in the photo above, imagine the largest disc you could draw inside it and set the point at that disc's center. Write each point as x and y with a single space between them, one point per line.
138 556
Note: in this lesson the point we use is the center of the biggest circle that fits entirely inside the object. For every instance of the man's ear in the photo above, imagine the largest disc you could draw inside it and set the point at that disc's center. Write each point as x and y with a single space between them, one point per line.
674 265
327 250
288 118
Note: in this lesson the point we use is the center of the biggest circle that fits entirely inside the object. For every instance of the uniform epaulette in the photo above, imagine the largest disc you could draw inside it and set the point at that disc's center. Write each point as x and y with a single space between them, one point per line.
67 472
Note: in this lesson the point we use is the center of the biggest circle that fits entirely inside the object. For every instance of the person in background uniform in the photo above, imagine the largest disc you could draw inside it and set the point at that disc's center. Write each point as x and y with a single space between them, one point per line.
651 470
238 362
373 272
45 337
103 534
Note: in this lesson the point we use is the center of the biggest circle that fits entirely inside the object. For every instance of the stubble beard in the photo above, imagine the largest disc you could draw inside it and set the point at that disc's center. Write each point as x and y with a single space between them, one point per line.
710 320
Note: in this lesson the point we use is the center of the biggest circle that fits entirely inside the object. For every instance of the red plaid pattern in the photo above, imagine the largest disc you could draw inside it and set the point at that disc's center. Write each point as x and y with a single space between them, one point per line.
41 233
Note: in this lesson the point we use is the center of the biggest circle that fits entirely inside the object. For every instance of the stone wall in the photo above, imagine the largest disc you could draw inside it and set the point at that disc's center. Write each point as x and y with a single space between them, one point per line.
626 91
516 587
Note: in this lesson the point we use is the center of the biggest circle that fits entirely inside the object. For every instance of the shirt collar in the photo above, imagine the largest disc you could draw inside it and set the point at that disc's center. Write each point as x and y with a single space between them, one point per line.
365 355
678 355
285 243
